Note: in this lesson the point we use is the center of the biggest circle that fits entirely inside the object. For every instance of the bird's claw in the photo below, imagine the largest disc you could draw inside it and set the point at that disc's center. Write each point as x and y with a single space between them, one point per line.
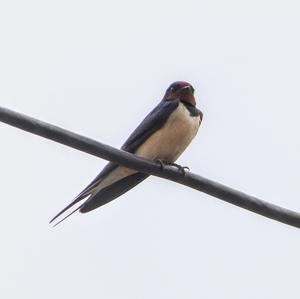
182 169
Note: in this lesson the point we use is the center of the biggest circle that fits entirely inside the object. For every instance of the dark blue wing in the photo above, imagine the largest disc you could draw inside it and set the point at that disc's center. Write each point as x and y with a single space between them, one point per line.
112 191
152 122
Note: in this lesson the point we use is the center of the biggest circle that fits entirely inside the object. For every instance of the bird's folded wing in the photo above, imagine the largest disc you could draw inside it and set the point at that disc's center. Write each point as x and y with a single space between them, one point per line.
112 191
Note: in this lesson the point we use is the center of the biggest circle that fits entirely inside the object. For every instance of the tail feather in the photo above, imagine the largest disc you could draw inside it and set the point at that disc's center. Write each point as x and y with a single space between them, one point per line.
101 197
60 221
75 201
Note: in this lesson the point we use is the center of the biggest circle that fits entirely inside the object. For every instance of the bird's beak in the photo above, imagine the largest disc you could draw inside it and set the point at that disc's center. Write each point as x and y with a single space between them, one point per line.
187 95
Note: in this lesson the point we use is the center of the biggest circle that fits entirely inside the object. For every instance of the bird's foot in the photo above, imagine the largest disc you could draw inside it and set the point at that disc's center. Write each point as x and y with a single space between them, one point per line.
182 169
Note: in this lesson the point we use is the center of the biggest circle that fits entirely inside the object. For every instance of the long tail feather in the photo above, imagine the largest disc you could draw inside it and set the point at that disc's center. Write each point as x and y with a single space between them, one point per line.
60 221
75 201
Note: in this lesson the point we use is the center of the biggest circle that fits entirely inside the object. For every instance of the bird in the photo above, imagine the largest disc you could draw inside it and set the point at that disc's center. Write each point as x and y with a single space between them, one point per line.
162 136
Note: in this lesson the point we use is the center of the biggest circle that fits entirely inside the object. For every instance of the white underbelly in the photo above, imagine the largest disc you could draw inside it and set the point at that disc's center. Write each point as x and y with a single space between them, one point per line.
172 139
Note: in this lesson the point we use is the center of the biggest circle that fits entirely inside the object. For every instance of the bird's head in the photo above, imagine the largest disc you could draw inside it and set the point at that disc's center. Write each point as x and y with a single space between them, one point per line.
182 91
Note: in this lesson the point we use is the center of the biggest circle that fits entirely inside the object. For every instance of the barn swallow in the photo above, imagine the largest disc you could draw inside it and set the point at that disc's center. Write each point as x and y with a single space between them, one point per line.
162 136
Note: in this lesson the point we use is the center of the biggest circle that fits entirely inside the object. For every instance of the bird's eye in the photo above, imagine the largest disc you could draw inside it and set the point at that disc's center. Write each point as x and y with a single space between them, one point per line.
173 89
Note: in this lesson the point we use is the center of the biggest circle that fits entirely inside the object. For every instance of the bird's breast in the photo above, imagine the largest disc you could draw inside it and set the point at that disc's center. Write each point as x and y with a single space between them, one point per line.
171 140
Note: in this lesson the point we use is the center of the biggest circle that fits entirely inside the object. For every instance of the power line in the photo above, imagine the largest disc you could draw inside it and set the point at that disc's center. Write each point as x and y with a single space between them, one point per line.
107 152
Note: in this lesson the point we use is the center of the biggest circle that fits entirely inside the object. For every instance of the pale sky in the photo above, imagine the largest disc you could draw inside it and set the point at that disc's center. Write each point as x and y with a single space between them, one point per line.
97 68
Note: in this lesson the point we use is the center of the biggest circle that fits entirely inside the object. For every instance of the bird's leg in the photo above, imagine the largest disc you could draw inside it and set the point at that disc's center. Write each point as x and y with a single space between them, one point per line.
161 163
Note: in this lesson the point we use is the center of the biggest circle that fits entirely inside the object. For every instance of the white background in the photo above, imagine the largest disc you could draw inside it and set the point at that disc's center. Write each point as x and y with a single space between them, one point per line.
97 68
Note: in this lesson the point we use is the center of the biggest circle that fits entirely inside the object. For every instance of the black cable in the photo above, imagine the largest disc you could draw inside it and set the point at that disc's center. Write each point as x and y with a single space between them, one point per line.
189 179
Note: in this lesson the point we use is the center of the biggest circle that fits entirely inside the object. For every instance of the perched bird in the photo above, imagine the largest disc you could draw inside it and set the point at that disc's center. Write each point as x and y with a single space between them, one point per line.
163 135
